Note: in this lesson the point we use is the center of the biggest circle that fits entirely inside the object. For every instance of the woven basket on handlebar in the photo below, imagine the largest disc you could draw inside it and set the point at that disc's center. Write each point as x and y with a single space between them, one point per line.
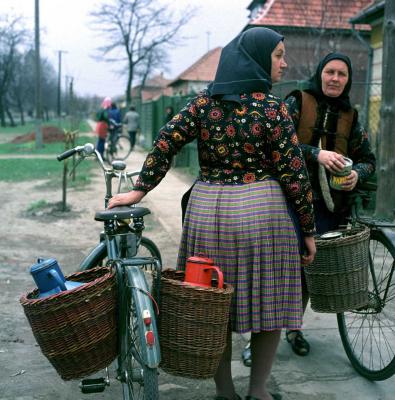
337 280
76 329
193 323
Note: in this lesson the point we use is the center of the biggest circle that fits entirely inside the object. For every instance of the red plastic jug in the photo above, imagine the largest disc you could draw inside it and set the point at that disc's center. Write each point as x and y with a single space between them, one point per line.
198 272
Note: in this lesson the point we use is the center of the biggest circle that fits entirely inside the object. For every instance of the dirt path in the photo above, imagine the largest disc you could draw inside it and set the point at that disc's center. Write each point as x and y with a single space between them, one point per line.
25 372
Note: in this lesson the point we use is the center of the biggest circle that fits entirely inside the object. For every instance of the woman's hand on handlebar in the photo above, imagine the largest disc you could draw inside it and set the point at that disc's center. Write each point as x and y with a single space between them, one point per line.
311 249
126 199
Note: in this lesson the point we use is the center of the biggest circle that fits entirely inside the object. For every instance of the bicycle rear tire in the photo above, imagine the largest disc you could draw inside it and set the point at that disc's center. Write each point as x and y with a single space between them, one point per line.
120 150
368 334
139 381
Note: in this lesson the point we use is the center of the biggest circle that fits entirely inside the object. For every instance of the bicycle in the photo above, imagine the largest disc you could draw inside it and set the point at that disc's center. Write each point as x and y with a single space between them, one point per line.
137 276
118 145
368 333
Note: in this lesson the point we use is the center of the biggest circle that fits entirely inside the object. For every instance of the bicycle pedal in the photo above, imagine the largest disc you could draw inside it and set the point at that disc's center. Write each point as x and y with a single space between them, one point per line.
94 385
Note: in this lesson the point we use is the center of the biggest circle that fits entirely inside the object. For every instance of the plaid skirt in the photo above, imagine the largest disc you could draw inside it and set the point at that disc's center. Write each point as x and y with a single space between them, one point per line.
248 232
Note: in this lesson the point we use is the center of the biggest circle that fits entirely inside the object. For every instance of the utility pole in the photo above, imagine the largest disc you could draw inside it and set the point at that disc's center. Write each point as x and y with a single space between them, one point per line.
60 81
208 40
385 200
66 95
39 139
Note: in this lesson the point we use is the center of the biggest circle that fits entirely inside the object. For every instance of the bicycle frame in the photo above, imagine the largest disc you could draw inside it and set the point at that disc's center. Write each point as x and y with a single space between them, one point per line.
136 322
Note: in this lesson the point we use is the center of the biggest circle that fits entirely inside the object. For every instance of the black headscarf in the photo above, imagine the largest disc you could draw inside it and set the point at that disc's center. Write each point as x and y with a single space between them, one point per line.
245 64
315 83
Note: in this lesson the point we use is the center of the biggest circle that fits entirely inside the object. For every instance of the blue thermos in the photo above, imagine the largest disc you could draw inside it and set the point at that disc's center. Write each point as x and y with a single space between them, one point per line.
49 277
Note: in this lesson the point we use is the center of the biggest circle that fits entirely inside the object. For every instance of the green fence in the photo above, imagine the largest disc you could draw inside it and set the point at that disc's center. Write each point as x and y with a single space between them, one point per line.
152 115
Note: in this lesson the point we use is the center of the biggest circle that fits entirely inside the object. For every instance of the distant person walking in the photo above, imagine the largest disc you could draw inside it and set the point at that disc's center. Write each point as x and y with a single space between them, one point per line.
102 121
132 122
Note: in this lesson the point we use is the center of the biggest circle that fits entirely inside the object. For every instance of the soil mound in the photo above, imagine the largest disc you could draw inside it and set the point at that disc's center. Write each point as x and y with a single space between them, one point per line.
50 134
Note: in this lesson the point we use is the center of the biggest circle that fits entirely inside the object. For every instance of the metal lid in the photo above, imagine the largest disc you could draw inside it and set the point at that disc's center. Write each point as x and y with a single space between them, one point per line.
331 235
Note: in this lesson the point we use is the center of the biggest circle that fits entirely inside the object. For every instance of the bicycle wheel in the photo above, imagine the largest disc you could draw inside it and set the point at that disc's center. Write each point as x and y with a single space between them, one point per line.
122 148
148 248
368 333
139 381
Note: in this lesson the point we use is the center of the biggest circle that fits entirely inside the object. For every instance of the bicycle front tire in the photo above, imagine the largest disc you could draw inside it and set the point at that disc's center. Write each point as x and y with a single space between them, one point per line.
368 334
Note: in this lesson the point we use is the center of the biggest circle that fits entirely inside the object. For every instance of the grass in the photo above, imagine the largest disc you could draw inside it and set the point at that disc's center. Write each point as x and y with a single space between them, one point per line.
48 148
37 205
28 169
36 168
63 123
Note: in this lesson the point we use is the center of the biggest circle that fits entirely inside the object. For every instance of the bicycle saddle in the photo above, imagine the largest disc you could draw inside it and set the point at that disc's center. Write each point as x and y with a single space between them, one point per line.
119 213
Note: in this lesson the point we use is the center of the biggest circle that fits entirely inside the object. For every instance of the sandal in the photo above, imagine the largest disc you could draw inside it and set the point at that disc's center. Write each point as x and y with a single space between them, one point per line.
299 344
246 355
225 398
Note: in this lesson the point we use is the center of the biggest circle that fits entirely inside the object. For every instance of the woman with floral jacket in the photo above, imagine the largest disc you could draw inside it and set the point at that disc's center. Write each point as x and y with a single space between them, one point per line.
251 172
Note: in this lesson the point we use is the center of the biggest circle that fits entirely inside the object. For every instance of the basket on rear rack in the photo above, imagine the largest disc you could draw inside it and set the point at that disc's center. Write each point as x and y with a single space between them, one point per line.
193 323
76 329
337 280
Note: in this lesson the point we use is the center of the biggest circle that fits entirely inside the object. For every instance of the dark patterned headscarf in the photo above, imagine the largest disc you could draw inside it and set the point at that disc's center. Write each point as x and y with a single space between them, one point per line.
315 83
245 64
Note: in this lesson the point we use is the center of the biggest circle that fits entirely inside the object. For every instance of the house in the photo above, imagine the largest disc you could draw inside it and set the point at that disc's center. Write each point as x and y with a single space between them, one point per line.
198 75
313 28
152 89
373 15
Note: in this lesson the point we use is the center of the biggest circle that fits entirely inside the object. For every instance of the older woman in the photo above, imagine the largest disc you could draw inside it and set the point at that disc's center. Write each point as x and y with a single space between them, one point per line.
328 129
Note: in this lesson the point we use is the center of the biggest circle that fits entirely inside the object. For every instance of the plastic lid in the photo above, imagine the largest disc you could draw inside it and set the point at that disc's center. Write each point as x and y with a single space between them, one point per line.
43 264
200 260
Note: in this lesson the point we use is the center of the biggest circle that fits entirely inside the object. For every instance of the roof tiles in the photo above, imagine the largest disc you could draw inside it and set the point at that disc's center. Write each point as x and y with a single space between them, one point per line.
203 69
329 14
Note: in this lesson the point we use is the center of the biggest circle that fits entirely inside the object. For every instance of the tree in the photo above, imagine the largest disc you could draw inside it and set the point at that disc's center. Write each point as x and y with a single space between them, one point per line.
385 200
12 36
137 31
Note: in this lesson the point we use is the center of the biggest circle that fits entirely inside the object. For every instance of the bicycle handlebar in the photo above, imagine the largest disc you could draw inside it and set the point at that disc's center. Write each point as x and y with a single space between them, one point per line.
117 170
87 149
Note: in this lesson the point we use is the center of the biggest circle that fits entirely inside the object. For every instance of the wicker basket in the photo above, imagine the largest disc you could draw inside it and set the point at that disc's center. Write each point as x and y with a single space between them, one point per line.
337 280
193 323
76 330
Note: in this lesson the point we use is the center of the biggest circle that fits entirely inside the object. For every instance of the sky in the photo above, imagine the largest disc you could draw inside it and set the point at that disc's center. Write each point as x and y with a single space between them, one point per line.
65 27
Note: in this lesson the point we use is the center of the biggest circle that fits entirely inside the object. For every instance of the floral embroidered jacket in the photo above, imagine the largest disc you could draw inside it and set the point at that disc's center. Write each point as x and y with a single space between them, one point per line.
237 144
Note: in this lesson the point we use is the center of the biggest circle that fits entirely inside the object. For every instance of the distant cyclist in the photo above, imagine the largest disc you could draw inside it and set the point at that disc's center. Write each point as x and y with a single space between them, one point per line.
102 124
132 122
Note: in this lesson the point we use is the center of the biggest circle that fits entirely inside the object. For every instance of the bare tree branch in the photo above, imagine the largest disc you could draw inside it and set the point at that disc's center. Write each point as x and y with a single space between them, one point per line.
142 30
